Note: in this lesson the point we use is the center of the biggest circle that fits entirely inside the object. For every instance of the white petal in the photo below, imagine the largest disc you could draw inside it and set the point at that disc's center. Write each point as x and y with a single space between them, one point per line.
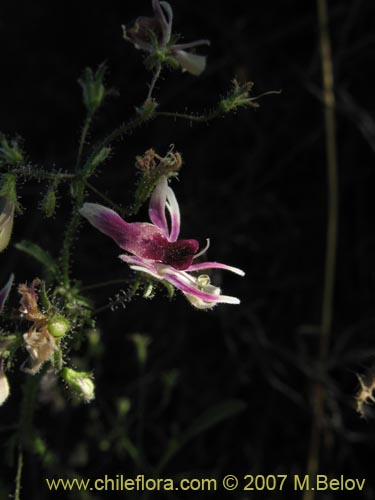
4 388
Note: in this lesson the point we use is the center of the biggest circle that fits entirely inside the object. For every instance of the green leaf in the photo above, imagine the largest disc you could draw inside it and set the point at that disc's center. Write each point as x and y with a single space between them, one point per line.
38 254
205 421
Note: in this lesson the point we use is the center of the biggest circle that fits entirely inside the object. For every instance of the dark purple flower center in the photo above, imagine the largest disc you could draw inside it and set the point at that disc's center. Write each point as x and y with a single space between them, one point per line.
178 254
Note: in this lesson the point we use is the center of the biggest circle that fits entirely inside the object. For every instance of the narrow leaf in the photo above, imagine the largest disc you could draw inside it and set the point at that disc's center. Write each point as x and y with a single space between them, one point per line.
38 254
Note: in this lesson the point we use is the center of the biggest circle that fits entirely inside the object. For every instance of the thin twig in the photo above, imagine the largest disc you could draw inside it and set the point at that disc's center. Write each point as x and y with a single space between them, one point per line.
319 390
118 281
193 118
17 492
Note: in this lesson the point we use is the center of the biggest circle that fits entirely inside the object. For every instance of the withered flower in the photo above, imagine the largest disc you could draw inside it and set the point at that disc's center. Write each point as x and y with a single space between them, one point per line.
39 343
365 398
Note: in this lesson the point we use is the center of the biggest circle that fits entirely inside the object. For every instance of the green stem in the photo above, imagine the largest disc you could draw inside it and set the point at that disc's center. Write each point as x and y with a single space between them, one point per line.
155 78
37 173
17 492
117 134
82 141
103 284
85 172
215 113
67 245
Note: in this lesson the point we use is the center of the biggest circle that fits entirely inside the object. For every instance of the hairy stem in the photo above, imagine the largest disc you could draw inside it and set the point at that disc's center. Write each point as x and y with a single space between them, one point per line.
155 78
67 245
117 134
211 115
82 141
319 392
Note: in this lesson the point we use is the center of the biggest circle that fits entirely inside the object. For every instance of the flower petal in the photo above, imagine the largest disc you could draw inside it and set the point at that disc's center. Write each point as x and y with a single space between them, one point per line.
4 385
164 24
140 238
184 284
201 304
164 198
139 34
4 292
156 210
168 31
192 63
190 45
174 212
215 265
138 264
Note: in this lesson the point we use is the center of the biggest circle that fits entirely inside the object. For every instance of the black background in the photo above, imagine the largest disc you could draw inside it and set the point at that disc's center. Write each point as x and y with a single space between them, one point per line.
255 184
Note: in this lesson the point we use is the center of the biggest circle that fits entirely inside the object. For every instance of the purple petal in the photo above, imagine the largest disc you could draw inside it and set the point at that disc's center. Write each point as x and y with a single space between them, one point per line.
131 237
215 265
180 254
157 204
4 292
140 238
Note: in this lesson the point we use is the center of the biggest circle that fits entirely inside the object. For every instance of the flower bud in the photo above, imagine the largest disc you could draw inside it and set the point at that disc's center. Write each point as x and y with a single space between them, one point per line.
8 203
10 152
141 343
80 382
49 202
58 326
93 88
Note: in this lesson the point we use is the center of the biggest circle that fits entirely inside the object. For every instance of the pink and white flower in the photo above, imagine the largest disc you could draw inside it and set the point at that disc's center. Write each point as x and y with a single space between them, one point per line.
156 250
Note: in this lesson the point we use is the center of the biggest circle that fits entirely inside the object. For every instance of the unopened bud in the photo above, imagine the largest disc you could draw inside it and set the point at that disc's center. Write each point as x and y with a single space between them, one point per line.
58 326
49 202
10 152
141 343
93 88
80 382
